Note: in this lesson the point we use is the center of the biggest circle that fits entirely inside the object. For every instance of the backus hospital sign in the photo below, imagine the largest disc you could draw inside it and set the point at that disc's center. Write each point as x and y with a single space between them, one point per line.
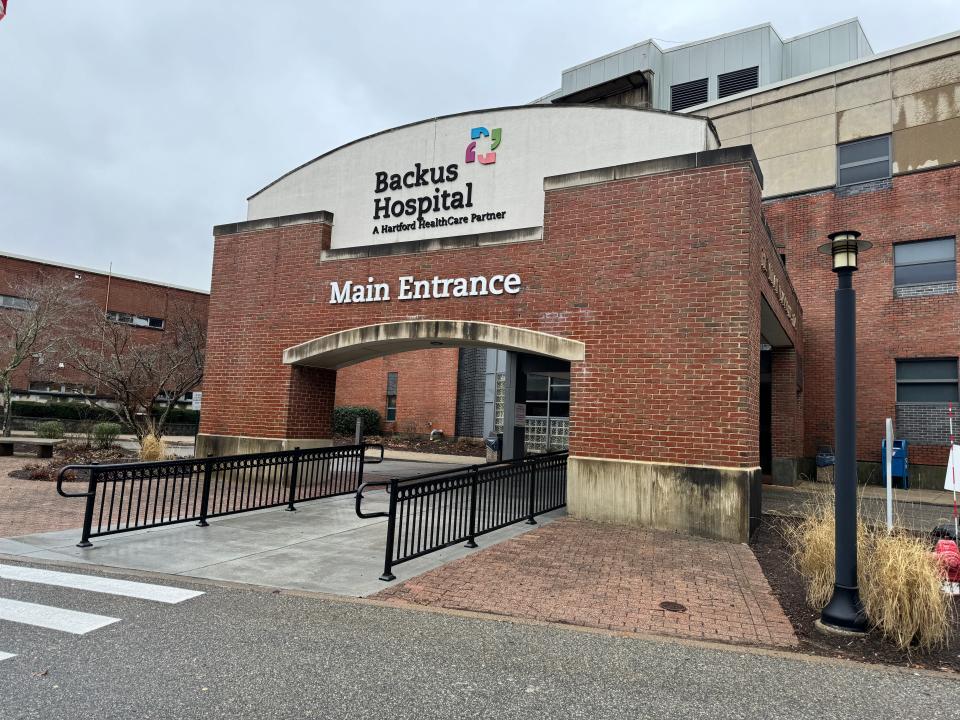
427 210
470 174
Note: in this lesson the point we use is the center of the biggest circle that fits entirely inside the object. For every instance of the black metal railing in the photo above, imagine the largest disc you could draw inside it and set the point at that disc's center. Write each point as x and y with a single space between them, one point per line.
135 496
434 511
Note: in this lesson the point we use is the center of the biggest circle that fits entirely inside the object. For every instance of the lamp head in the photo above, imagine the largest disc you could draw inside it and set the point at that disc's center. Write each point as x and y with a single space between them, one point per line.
844 246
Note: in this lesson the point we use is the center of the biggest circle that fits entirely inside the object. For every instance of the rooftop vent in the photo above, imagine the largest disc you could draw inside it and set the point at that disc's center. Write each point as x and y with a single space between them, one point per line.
738 81
688 94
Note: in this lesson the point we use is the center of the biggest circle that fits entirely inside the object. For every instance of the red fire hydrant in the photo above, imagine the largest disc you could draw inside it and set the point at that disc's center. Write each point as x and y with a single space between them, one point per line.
949 557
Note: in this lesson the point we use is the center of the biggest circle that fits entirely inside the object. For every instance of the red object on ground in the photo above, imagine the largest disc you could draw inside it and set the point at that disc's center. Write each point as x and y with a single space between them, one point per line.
949 556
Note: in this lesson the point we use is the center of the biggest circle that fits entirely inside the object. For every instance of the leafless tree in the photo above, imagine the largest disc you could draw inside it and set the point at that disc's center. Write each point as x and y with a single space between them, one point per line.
34 322
143 377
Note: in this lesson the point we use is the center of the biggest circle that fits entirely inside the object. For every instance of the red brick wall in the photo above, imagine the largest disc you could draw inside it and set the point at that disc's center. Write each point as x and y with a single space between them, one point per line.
912 207
670 315
426 389
787 405
130 296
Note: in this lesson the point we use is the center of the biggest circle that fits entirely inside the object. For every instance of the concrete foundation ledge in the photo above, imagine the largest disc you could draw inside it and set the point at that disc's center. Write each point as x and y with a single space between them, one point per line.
218 445
712 502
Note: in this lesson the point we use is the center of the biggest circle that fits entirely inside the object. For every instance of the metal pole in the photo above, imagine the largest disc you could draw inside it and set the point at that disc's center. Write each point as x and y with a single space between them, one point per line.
357 432
88 510
391 528
889 460
474 478
844 612
533 488
205 500
293 480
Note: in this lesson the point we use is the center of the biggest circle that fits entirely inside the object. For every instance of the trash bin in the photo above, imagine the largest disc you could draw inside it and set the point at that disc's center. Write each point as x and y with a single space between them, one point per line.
900 465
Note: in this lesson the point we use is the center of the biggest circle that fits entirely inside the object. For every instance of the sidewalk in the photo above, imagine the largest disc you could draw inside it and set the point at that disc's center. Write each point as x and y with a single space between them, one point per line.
917 510
613 577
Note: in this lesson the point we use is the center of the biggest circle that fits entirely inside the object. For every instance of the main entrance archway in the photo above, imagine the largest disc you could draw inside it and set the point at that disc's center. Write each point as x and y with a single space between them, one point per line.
656 281
347 347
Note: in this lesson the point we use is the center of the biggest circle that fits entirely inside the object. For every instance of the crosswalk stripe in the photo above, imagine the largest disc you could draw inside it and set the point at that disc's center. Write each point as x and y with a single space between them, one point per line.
6 656
95 583
78 623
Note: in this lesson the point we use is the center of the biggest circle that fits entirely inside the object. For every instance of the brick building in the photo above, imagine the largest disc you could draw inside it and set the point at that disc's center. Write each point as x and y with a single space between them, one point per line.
143 304
626 267
805 104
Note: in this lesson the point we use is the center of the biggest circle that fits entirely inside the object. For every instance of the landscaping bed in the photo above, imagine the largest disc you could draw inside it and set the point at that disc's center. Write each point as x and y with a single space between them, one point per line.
422 444
71 453
773 554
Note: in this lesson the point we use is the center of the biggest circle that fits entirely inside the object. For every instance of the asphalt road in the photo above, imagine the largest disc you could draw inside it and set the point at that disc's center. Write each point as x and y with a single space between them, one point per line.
250 653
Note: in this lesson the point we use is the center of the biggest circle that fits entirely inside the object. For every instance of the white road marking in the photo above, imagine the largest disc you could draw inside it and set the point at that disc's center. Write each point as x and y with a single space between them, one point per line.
70 621
95 583
6 656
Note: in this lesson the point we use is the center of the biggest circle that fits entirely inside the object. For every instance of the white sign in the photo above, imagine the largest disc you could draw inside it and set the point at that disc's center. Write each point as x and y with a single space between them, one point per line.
952 480
195 400
470 173
519 414
410 288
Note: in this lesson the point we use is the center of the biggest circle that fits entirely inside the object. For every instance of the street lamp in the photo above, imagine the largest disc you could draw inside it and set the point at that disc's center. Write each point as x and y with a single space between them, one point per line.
844 612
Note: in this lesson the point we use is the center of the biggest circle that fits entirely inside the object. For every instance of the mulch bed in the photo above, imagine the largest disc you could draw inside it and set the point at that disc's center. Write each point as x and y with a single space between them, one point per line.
771 551
423 444
72 454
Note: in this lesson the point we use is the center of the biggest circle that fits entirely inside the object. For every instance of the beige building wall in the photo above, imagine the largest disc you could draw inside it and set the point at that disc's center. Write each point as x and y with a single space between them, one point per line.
913 94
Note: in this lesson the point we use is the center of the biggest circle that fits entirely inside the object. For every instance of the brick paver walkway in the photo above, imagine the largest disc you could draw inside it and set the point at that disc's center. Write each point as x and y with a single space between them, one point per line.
29 506
608 576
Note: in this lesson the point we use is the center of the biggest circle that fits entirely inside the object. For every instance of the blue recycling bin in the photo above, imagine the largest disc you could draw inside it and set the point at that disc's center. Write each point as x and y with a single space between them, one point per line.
900 466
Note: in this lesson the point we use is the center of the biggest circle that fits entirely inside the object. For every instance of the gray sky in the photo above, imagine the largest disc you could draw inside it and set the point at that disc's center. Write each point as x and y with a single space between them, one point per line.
128 129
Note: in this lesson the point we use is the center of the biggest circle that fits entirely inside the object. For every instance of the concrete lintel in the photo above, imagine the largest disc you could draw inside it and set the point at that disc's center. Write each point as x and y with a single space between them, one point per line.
355 345
501 237
308 218
674 163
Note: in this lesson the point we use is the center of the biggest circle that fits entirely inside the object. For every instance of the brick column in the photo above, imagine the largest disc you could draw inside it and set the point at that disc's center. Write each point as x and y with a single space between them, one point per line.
787 420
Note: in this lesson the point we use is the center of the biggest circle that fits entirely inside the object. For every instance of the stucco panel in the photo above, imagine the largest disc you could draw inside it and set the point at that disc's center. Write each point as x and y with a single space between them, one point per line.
863 92
794 110
926 146
863 122
800 171
929 106
945 71
796 137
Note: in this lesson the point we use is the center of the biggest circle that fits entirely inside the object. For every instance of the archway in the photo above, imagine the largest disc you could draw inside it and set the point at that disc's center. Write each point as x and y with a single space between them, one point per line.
515 413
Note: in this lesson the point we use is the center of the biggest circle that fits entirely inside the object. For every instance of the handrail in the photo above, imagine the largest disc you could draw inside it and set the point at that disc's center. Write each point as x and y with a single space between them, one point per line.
366 460
359 498
435 510
121 497
60 477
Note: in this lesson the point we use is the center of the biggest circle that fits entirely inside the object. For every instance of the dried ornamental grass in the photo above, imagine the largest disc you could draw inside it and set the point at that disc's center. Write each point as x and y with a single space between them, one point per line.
899 577
152 448
811 545
902 593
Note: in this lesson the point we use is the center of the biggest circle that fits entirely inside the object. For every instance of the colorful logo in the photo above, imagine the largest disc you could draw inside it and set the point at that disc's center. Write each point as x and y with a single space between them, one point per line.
489 158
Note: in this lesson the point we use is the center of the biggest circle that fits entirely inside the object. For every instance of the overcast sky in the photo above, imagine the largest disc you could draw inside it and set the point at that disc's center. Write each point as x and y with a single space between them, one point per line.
128 129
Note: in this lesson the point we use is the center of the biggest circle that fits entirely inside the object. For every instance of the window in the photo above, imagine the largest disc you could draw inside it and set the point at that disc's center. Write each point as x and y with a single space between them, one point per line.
925 262
863 160
927 380
17 303
548 396
688 94
391 396
738 81
136 320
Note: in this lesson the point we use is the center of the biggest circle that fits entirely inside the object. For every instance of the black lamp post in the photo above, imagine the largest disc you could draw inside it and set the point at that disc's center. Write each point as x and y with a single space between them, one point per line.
844 612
